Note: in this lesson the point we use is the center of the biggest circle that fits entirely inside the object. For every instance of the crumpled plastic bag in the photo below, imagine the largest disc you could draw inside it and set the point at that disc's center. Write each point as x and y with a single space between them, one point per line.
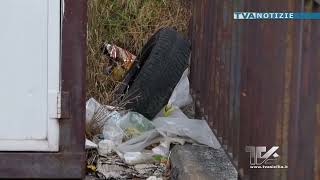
105 147
175 128
181 94
164 148
90 145
132 158
197 130
171 111
134 124
94 110
138 143
91 107
180 97
113 132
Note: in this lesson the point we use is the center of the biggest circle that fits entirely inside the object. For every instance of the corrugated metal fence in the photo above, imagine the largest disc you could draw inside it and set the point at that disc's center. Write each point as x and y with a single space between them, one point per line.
258 83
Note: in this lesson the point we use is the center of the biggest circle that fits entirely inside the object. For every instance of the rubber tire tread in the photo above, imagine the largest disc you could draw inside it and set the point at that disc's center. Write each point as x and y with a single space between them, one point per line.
165 58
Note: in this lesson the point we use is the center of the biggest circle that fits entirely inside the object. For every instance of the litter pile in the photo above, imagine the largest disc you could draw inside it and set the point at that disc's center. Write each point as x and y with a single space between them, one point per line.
136 144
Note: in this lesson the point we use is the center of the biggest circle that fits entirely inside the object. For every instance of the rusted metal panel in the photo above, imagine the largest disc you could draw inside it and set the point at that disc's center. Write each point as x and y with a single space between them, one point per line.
235 74
69 162
42 165
261 83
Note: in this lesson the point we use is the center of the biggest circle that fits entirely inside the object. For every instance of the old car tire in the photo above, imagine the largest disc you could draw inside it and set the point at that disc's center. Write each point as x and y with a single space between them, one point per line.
164 58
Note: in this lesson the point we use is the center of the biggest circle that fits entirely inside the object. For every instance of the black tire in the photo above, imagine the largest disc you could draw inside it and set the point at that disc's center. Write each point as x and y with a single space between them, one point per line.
163 60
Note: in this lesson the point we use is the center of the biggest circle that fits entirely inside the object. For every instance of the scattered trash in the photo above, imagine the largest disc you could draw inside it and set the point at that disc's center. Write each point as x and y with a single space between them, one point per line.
113 132
113 167
154 178
114 171
122 60
92 167
132 146
171 130
164 148
197 130
122 128
90 144
123 55
133 124
97 138
96 116
171 111
138 157
139 143
94 111
92 107
106 147
146 169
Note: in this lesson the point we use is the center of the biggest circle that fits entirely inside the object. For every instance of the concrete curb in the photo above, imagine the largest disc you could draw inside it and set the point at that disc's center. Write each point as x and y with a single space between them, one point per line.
190 162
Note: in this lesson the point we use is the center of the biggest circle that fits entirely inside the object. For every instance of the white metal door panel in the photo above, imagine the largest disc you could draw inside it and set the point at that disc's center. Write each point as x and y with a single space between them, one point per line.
29 74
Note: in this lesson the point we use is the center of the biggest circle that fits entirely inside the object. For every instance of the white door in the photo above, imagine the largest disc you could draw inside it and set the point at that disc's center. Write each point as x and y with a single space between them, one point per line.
29 75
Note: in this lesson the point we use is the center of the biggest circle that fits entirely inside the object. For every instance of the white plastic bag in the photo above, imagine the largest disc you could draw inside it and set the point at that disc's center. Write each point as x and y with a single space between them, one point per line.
138 143
105 147
172 112
197 130
90 144
180 97
181 94
164 148
99 113
91 107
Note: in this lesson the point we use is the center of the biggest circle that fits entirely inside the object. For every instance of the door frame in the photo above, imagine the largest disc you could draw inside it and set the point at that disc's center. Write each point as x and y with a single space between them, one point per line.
69 162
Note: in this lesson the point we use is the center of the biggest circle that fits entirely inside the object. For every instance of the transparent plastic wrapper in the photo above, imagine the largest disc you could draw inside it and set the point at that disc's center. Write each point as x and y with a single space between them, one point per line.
97 112
132 158
91 108
113 132
105 147
197 130
132 124
122 128
178 130
138 143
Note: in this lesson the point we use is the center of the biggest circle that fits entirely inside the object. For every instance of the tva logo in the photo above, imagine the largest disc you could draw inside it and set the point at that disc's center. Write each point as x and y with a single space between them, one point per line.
259 154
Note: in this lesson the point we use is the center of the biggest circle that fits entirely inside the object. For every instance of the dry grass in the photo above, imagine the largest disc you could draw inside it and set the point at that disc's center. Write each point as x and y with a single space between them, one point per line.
129 24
